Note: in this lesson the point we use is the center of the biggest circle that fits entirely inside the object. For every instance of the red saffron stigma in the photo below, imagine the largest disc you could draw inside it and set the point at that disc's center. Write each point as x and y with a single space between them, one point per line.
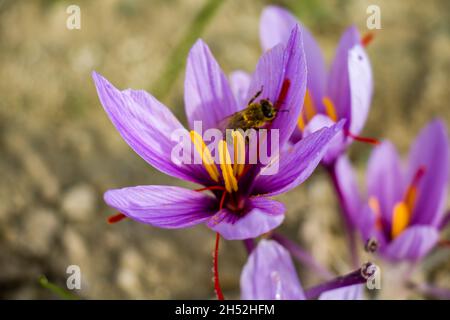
222 200
362 139
217 287
283 93
419 174
210 188
367 38
116 218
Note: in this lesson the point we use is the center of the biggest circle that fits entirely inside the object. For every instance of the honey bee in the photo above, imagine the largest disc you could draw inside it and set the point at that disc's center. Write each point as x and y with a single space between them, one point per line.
257 114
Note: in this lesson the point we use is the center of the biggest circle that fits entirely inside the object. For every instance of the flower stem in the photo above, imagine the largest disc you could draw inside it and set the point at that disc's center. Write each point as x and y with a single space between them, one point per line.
356 277
303 257
345 213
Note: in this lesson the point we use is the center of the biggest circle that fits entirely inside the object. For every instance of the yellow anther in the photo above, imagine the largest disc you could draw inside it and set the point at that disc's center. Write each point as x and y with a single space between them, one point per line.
330 108
225 166
301 122
309 108
375 206
410 198
400 219
239 153
204 152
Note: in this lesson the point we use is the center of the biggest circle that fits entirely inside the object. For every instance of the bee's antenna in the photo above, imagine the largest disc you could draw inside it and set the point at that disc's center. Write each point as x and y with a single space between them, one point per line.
256 95
284 110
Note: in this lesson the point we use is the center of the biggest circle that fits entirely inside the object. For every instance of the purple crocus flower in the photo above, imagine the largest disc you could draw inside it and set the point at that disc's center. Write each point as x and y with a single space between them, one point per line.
344 92
404 208
270 274
239 207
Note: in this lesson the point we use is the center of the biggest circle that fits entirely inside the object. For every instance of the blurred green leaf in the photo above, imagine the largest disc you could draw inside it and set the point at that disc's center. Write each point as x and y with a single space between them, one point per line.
176 61
58 291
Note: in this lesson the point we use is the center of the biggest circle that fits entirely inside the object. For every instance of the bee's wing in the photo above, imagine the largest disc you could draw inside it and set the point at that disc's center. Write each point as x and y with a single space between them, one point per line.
232 121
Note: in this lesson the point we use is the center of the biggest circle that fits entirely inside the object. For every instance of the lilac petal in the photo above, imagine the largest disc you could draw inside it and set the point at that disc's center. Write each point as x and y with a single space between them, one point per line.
337 145
270 274
276 24
366 222
264 215
354 292
162 206
240 82
338 80
146 125
274 67
361 87
297 164
346 180
385 180
412 244
207 94
430 150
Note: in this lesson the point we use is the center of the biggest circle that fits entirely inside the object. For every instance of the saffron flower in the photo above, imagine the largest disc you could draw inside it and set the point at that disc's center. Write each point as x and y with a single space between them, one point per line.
404 209
343 92
239 206
270 274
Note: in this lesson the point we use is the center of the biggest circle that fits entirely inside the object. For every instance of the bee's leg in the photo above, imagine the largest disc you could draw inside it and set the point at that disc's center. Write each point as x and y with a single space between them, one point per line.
256 95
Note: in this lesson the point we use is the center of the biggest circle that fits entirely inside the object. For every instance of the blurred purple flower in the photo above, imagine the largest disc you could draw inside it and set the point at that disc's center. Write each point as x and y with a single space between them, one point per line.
405 208
270 274
345 92
240 207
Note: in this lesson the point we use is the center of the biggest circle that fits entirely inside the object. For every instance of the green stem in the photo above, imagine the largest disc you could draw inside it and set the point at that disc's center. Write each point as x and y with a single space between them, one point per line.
58 291
176 60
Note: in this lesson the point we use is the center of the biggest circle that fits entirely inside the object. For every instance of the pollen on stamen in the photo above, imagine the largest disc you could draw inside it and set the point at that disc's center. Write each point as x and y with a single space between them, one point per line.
309 107
225 165
330 108
116 218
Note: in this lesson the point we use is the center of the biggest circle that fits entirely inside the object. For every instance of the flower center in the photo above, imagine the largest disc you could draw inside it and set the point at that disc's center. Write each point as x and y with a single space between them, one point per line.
403 210
310 110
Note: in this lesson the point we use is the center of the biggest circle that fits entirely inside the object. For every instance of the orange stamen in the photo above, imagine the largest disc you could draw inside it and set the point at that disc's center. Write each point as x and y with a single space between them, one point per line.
400 219
309 107
116 218
367 38
403 211
330 108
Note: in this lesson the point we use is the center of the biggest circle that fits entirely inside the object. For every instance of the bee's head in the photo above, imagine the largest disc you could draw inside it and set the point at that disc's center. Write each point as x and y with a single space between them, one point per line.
267 109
